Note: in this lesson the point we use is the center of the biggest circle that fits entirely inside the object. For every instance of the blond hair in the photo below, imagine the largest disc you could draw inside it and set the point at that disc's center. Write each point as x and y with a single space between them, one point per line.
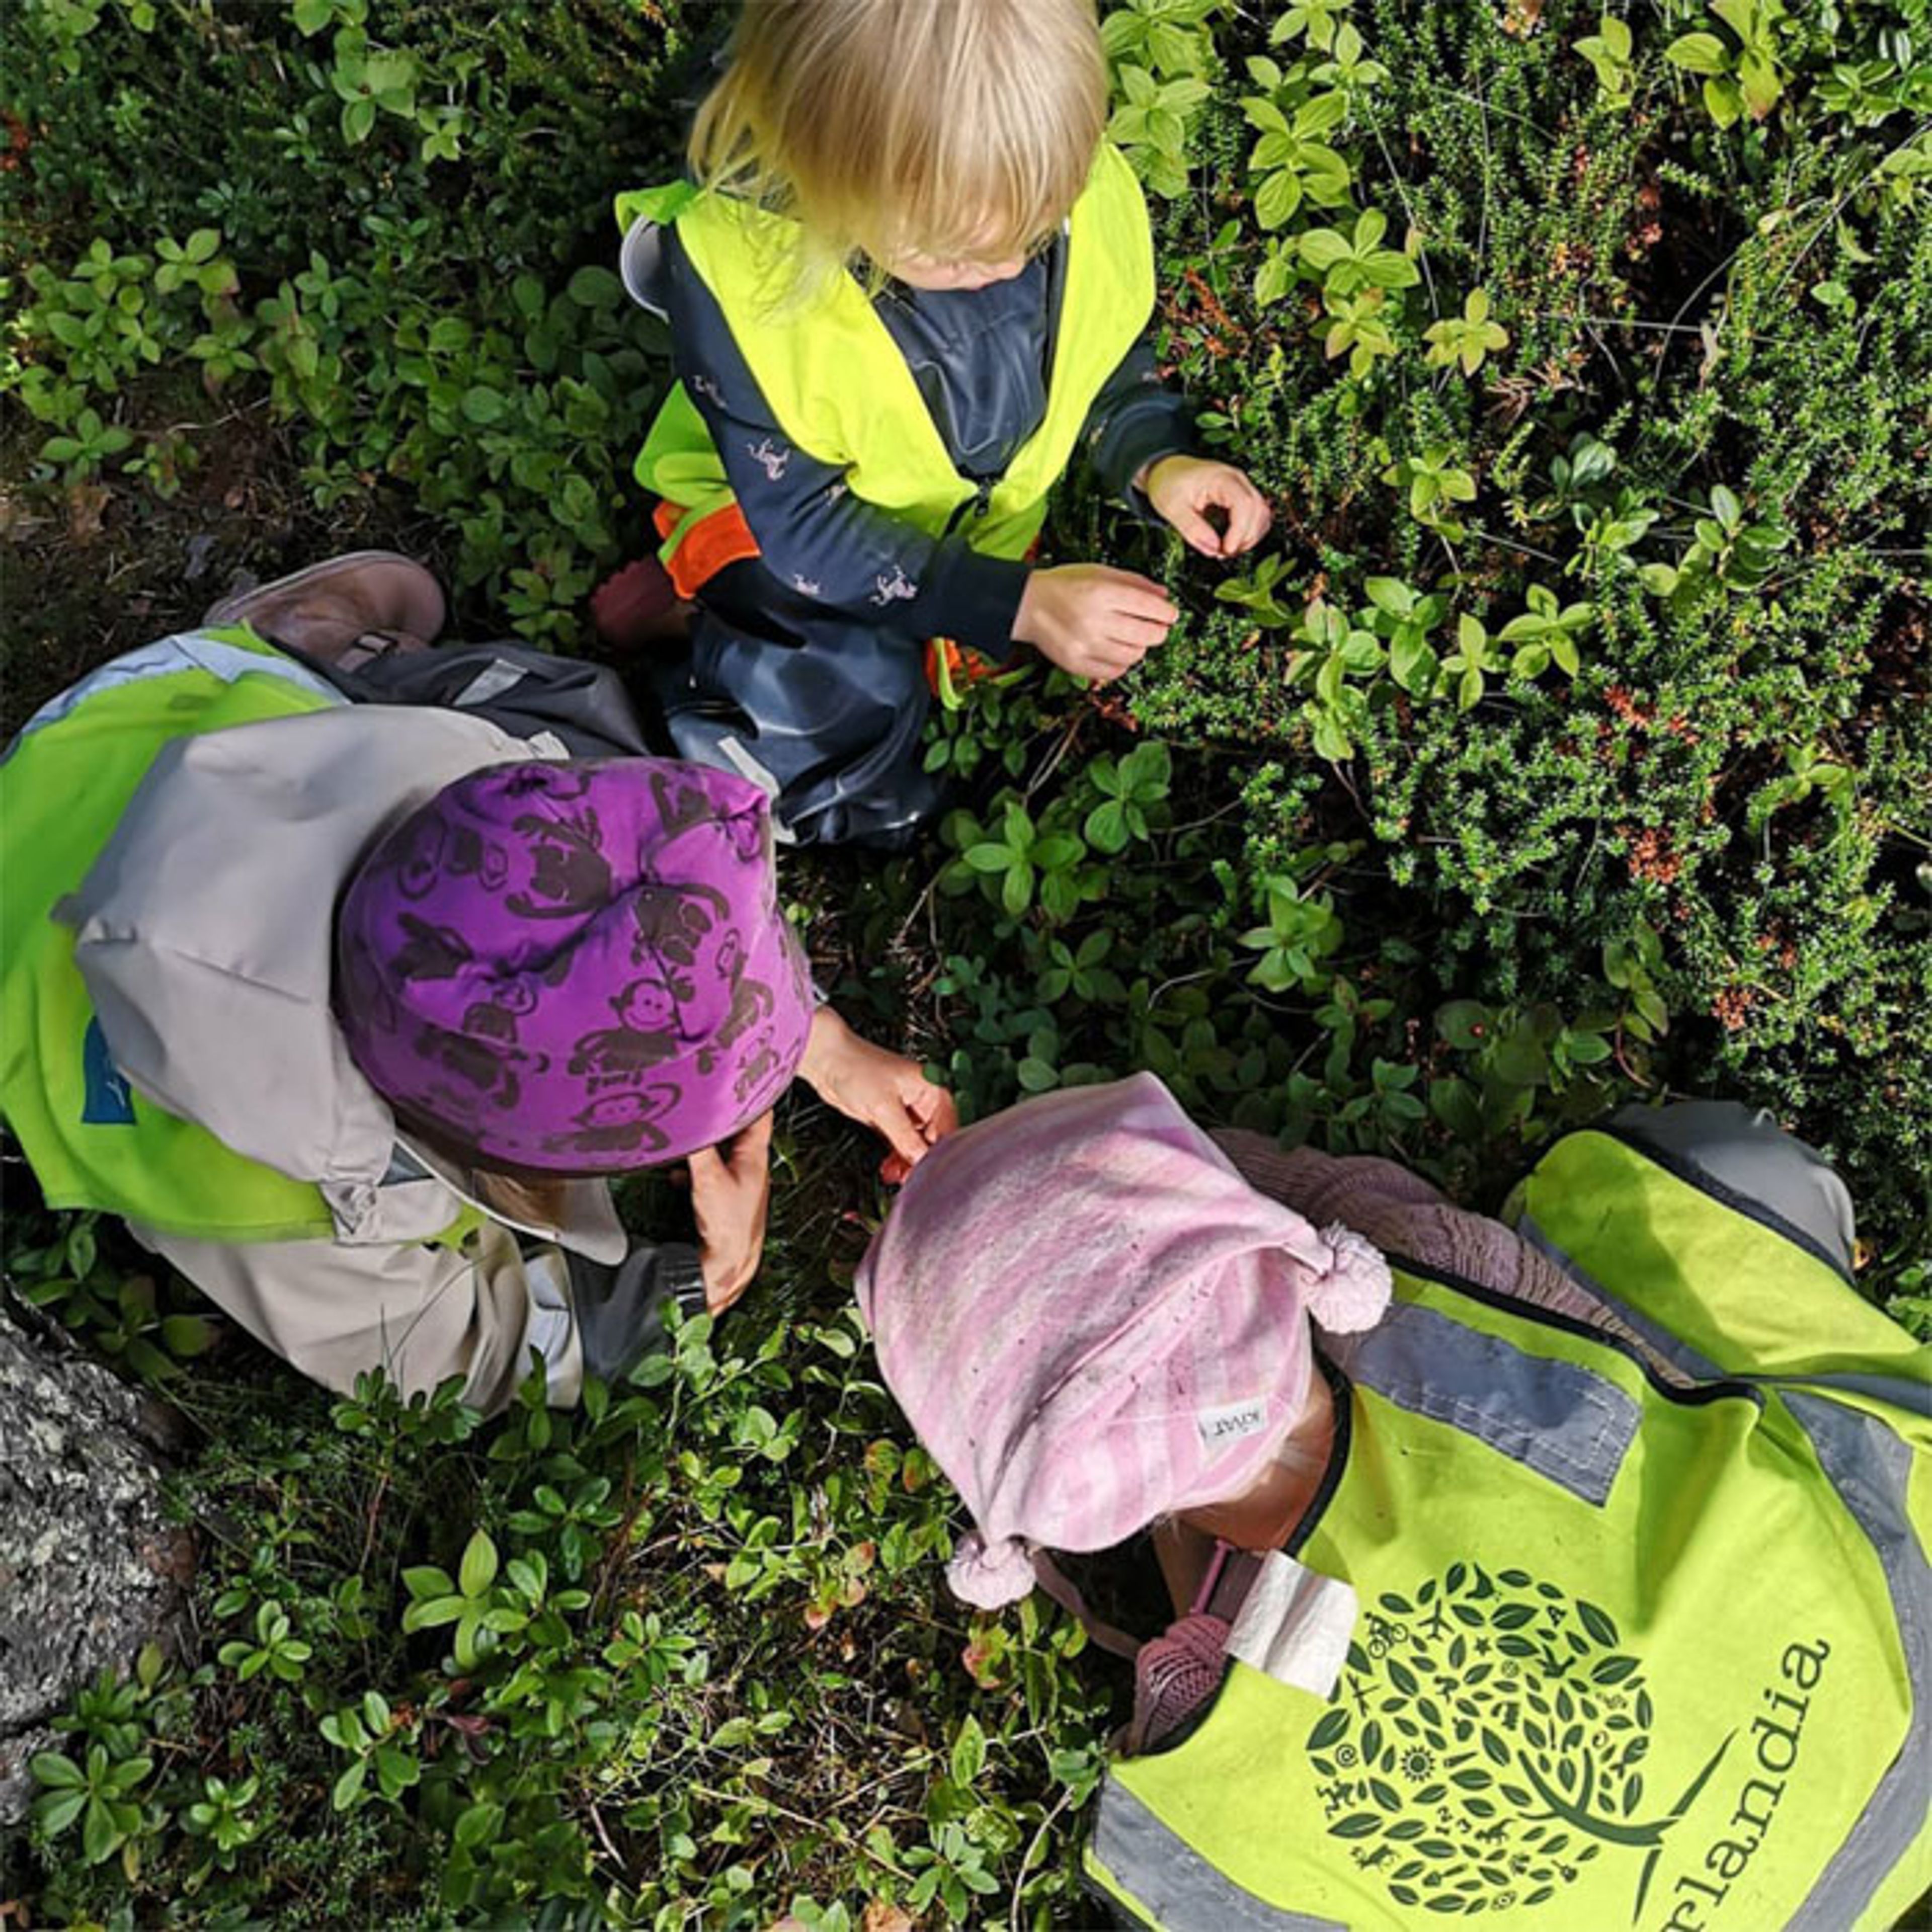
957 129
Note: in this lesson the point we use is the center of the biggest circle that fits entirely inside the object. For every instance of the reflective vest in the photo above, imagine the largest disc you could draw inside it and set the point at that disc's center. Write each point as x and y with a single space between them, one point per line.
841 390
93 1142
1621 1654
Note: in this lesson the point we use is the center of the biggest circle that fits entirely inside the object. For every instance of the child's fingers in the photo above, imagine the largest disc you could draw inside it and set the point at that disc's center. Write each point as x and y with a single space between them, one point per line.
1253 514
933 1108
1141 606
1255 508
1106 663
1195 528
900 1132
1128 590
1135 633
752 1148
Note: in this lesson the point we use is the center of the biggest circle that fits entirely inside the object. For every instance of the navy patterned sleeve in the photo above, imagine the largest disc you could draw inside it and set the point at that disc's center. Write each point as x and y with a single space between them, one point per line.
813 534
1135 420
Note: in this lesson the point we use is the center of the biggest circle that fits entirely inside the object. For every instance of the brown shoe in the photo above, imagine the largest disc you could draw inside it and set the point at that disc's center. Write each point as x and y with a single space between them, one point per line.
345 610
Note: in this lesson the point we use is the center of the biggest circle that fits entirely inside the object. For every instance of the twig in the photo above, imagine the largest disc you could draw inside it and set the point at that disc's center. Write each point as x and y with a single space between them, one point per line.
1507 113
1509 543
1838 207
1054 758
1019 1877
1408 210
1180 979
375 1511
759 1802
603 1836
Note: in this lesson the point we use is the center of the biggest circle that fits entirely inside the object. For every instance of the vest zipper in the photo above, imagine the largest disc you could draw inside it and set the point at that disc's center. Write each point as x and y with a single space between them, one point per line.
976 506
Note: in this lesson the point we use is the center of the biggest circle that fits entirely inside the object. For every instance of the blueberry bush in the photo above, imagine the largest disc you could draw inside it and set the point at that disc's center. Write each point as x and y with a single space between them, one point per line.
1568 741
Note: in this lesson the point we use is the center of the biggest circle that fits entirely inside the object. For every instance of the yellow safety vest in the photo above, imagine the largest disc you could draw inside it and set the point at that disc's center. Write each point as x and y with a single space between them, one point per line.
842 392
1623 1653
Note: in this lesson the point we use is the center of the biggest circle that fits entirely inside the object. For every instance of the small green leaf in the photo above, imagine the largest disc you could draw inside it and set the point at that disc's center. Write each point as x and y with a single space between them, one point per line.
56 1770
100 1836
1698 53
594 287
969 1752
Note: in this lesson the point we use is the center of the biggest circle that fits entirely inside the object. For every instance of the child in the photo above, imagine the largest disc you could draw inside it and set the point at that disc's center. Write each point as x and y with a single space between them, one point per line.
910 282
1530 1578
350 1011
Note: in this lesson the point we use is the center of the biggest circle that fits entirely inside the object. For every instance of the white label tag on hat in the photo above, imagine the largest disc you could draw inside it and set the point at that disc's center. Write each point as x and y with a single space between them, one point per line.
1231 1421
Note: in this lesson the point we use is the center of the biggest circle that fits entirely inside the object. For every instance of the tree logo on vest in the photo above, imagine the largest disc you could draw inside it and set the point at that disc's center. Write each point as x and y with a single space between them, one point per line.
1488 1742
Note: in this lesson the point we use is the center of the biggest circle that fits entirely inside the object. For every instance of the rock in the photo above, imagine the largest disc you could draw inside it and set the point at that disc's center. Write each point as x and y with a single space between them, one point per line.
90 1569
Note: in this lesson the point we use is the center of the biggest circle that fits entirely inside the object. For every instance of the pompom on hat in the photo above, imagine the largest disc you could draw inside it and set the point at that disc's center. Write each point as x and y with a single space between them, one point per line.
576 967
1091 1320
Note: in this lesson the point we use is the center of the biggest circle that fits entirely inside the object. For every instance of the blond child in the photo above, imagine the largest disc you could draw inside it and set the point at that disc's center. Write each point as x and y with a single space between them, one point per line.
908 282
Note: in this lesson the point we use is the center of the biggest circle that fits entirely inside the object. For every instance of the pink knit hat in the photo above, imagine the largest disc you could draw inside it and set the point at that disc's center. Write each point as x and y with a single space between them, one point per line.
1091 1320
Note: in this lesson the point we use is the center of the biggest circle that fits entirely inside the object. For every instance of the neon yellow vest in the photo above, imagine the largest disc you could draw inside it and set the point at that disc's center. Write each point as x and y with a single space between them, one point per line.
1624 1655
843 393
92 1140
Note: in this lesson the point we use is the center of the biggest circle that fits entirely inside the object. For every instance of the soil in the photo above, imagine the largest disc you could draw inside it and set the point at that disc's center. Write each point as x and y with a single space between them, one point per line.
89 570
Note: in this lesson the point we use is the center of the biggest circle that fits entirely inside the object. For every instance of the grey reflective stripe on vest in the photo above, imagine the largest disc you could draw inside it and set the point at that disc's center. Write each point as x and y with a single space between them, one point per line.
168 657
1172 1883
1871 1467
1566 1422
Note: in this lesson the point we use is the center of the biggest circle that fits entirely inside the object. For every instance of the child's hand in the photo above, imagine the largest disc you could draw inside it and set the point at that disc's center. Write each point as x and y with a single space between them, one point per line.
730 1194
1092 620
883 1090
1184 489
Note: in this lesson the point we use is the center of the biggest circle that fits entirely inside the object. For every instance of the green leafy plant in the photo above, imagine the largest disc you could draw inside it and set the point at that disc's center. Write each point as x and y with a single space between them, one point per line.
87 447
1475 659
1301 931
1255 592
1467 339
1133 791
130 1317
1166 36
276 1647
1358 327
1746 75
1290 162
1727 550
1609 51
1024 860
1348 263
1433 480
1404 618
98 1795
1151 124
382 1763
226 1815
1546 633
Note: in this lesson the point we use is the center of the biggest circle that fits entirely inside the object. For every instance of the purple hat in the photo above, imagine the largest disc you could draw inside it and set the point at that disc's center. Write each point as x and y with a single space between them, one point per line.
575 967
